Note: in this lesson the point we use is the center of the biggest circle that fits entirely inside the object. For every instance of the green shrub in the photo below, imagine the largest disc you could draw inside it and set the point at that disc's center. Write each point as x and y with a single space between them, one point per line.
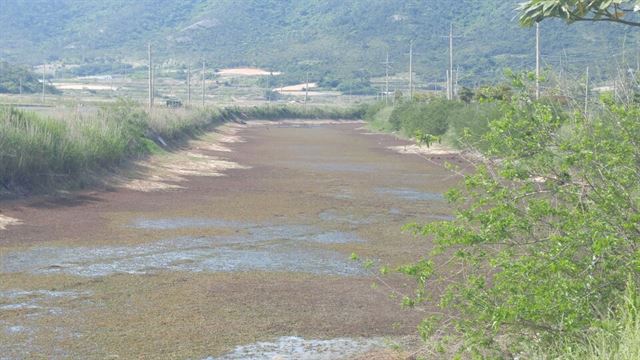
431 117
469 123
546 234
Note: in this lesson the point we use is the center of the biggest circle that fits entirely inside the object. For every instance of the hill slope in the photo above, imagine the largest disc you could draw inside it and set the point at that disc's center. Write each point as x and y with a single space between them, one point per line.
331 38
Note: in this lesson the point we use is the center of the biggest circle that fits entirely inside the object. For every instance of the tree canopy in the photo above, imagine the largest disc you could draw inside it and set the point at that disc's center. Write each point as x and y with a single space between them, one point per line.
617 11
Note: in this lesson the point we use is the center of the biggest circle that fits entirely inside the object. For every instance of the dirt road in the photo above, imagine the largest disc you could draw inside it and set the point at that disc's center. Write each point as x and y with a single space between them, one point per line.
249 262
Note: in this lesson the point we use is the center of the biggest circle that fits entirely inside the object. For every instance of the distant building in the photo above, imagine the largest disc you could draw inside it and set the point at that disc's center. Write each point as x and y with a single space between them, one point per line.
174 103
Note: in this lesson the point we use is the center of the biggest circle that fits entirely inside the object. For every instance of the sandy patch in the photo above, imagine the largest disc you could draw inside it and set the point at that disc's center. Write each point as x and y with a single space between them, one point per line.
80 86
165 173
212 147
311 93
231 129
229 139
153 182
299 87
150 186
194 164
424 150
6 221
256 123
246 72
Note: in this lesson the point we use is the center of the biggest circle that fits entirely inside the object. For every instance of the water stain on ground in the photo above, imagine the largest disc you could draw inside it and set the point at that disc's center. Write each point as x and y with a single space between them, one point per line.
295 348
265 247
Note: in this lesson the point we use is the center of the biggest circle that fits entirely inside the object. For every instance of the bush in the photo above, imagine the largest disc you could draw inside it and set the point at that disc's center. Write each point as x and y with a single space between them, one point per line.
469 123
546 235
431 117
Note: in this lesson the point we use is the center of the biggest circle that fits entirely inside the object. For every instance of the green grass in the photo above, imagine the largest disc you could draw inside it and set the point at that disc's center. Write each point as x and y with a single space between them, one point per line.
617 339
378 117
43 152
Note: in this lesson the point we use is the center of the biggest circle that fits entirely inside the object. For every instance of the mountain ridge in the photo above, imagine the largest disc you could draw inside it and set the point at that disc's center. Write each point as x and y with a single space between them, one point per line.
330 38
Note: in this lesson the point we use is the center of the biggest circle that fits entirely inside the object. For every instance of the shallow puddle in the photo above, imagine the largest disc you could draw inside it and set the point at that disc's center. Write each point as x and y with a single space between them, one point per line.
344 167
266 247
342 217
410 194
34 300
295 348
187 223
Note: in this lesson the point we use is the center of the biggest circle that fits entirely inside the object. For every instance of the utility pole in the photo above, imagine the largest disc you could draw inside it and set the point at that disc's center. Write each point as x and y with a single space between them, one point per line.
448 85
189 85
450 92
204 73
306 92
455 88
269 87
586 95
537 61
411 71
386 66
44 68
20 85
451 63
150 80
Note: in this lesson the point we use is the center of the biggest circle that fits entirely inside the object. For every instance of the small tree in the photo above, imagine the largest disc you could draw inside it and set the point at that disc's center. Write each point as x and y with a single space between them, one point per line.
466 94
546 236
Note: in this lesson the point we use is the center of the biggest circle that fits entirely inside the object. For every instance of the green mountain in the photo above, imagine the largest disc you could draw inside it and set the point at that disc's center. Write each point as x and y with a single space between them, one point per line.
332 39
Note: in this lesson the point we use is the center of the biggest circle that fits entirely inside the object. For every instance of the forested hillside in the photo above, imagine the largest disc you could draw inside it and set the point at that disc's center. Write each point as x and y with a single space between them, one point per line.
331 38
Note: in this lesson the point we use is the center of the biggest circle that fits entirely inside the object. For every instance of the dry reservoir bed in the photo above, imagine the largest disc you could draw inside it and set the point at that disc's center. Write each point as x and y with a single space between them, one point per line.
236 248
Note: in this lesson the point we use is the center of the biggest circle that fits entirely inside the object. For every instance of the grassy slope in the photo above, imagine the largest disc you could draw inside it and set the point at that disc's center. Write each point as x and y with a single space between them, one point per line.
39 153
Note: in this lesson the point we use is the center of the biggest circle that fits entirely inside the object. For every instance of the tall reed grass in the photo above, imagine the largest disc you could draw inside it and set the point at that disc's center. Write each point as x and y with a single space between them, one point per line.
38 152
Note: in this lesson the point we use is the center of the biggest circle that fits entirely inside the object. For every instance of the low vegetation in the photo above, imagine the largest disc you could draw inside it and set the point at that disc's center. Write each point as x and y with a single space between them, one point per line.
458 123
38 152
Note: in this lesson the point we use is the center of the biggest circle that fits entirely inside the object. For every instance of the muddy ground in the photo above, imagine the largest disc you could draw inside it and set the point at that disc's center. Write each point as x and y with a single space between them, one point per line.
250 261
